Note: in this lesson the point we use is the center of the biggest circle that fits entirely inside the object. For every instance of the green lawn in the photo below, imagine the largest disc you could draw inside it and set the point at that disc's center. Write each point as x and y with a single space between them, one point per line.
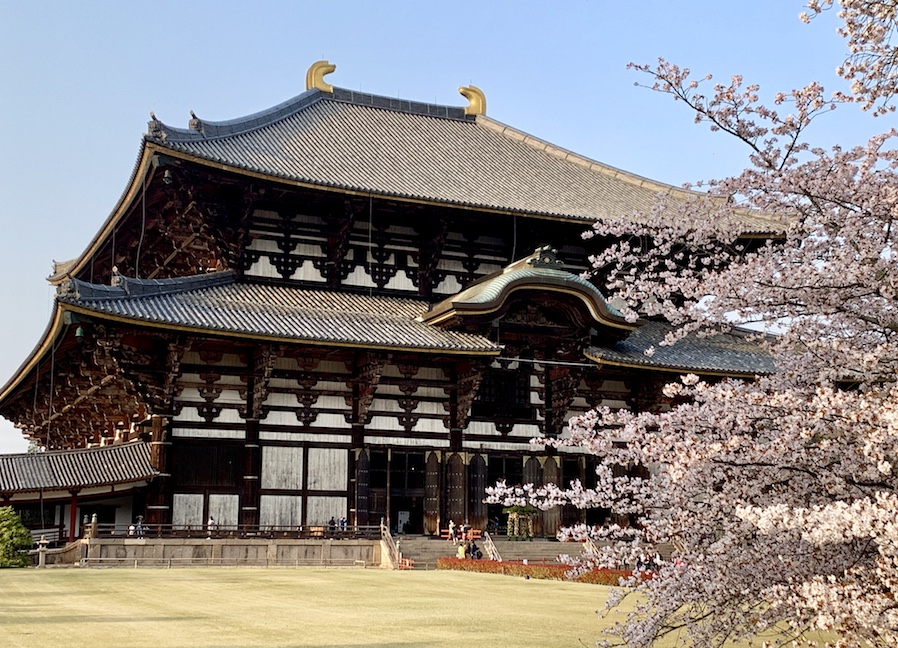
250 608
266 608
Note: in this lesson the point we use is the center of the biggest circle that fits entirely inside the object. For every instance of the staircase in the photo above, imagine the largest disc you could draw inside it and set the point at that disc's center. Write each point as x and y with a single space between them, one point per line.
425 550
536 550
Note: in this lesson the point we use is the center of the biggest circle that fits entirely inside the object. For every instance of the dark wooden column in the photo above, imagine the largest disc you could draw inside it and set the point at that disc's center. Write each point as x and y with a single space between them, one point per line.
551 475
432 499
73 513
533 474
252 464
476 492
159 494
456 490
362 485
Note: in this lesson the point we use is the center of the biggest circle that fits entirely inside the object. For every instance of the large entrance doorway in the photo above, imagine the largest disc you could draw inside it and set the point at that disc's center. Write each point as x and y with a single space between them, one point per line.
407 477
397 480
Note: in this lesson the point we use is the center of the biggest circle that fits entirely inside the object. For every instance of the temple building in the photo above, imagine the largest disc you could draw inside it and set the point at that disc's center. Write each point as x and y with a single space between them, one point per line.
346 305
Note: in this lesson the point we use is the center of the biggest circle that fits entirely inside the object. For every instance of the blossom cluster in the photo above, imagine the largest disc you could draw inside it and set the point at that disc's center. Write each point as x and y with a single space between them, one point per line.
776 498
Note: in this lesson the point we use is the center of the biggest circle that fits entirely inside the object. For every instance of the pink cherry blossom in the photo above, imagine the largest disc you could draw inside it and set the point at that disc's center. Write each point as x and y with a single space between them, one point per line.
776 499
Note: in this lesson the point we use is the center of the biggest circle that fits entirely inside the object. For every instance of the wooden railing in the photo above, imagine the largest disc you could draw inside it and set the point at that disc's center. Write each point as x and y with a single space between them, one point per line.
224 531
54 535
392 548
589 546
490 548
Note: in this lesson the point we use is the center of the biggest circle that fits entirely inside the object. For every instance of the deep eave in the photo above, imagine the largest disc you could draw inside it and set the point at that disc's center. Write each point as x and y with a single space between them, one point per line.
215 304
465 153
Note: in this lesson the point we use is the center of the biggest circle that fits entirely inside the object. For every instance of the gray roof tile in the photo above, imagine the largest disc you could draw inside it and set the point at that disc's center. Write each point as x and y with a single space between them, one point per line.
62 469
219 305
725 353
398 148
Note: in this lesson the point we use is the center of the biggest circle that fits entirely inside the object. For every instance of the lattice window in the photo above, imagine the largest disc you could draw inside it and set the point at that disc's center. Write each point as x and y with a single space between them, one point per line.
504 394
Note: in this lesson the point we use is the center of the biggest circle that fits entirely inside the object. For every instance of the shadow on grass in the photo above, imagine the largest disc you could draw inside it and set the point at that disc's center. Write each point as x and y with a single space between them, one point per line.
81 619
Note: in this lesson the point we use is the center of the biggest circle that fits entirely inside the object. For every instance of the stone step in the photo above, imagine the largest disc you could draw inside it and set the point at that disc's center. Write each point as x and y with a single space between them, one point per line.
425 550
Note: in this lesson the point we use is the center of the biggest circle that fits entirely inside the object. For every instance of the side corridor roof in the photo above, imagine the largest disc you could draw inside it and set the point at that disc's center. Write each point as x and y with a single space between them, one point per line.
62 469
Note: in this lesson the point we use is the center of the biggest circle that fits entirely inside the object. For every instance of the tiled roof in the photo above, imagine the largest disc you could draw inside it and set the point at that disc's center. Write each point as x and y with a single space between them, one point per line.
63 469
417 151
215 303
725 353
538 271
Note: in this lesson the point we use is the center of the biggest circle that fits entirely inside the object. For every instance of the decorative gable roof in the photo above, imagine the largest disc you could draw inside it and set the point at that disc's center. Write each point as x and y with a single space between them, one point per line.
539 271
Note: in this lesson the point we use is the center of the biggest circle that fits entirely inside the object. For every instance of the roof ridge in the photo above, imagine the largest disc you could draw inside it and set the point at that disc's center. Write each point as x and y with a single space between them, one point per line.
123 286
70 451
201 129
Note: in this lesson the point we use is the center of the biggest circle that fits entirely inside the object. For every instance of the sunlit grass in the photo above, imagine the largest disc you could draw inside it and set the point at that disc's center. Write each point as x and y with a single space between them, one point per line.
249 608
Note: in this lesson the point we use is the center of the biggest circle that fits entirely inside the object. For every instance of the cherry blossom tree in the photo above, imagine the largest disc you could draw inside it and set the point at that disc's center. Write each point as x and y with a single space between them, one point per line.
776 498
872 66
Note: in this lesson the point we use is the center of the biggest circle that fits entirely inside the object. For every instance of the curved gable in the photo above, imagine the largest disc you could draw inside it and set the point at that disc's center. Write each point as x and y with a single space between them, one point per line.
540 272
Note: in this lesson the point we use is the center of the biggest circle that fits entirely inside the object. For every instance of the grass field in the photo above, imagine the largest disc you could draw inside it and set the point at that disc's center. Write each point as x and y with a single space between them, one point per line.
249 608
267 608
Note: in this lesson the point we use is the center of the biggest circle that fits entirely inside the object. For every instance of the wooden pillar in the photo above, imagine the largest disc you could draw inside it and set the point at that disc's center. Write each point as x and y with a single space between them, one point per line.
358 476
432 499
73 513
158 496
362 487
389 471
456 489
551 475
477 475
252 463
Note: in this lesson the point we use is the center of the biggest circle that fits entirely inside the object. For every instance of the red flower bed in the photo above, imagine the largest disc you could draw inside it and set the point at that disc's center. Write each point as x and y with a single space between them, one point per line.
604 576
537 570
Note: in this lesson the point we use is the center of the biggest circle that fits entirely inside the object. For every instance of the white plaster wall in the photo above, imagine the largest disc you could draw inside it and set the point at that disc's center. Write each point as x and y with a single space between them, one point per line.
328 469
280 510
281 468
190 414
330 421
320 509
195 433
224 508
305 436
360 277
430 425
187 510
404 441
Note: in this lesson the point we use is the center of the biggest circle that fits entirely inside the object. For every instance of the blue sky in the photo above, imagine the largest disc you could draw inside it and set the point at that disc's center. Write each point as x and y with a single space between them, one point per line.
78 80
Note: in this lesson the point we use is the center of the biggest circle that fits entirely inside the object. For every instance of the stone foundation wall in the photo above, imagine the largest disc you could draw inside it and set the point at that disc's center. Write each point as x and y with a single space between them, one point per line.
187 552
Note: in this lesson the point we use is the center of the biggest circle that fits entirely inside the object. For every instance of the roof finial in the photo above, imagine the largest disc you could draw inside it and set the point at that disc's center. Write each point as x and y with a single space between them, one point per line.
195 123
315 76
476 99
544 257
154 127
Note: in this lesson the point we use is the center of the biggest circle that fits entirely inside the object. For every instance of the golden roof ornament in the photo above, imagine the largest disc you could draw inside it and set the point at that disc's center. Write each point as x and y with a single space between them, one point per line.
315 76
476 100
